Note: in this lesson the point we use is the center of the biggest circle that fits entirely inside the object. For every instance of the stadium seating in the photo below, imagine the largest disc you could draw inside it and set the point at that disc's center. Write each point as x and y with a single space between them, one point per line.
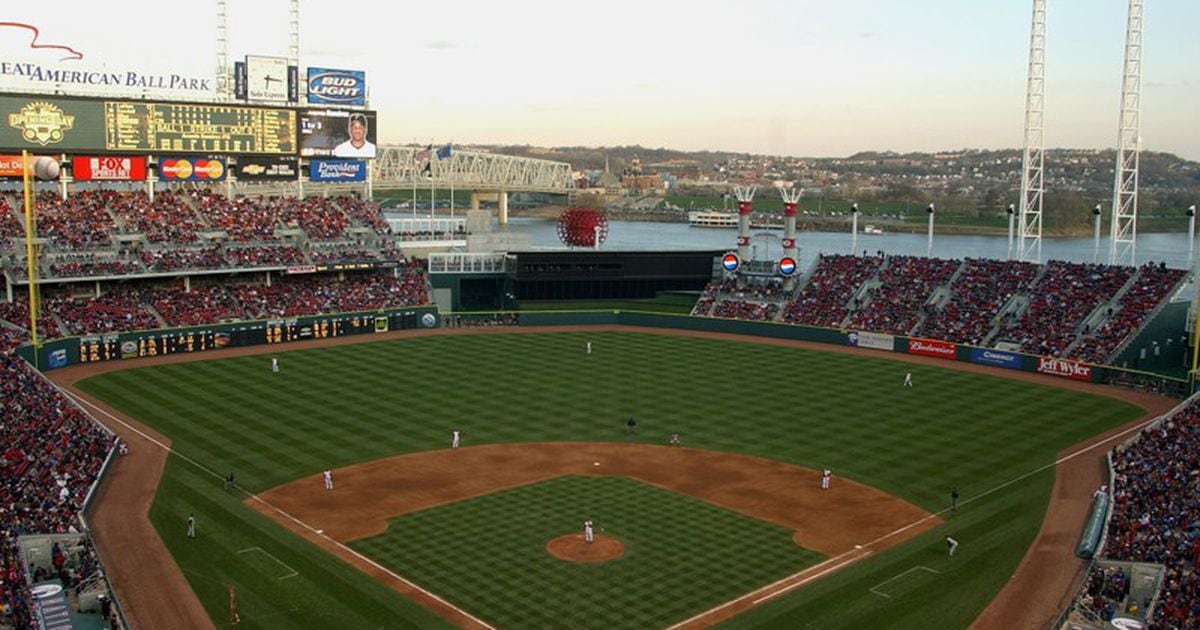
979 292
823 300
1150 287
1060 300
50 455
898 304
1156 512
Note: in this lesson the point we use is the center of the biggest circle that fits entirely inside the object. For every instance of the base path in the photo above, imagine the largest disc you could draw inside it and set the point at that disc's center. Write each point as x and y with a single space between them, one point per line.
154 593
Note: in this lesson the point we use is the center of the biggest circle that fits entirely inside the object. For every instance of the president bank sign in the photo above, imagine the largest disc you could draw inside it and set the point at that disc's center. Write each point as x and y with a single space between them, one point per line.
71 77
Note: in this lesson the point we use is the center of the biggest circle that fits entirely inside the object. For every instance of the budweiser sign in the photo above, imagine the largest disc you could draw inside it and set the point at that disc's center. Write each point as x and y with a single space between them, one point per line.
932 348
1065 368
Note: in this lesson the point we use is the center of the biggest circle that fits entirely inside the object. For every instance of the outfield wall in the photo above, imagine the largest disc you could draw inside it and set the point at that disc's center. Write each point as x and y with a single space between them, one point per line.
151 343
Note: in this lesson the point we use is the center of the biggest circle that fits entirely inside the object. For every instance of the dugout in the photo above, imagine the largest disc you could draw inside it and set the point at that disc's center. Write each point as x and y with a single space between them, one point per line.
603 275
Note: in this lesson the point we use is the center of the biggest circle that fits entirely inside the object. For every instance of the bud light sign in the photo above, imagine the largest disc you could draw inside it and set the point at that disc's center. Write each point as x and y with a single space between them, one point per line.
337 87
337 171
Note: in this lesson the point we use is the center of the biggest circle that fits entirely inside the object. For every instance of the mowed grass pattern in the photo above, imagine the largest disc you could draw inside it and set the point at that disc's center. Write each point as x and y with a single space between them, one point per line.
681 554
337 406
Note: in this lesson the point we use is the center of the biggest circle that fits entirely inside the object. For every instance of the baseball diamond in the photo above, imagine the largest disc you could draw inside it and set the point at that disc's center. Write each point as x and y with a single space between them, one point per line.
378 414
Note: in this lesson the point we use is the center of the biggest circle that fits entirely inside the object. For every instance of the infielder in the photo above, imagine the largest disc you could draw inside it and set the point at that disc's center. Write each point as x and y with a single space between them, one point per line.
908 379
588 535
825 476
275 365
191 532
455 439
328 475
952 544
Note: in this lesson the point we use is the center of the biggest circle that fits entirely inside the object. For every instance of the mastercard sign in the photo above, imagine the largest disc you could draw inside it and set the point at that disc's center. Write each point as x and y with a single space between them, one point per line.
730 262
192 169
787 266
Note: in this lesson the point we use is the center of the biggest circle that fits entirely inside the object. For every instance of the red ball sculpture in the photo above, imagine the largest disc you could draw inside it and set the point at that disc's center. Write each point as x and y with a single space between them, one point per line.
577 227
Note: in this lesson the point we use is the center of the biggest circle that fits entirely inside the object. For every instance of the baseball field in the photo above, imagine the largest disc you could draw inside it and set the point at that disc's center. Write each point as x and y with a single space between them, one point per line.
736 508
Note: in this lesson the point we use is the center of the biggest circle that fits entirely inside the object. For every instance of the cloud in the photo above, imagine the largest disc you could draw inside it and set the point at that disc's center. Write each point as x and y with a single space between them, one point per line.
868 35
441 44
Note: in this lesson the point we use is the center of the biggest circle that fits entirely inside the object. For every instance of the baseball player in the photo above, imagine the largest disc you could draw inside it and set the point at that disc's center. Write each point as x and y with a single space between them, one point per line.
908 379
328 475
588 535
952 544
589 347
191 532
954 499
275 365
631 425
675 440
825 477
455 439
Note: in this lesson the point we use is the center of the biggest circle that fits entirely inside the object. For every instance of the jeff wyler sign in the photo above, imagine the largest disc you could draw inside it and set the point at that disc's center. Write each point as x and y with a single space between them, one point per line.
73 77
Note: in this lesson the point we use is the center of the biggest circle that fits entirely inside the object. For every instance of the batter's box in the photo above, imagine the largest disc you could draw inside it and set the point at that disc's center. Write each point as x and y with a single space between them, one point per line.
906 582
255 555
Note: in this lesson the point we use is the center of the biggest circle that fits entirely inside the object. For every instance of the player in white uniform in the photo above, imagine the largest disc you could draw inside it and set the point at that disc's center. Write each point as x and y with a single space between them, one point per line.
825 477
455 439
589 347
952 544
274 365
588 535
908 379
328 474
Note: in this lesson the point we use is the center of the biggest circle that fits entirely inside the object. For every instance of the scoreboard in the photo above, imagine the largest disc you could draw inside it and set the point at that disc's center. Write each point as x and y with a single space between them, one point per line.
137 126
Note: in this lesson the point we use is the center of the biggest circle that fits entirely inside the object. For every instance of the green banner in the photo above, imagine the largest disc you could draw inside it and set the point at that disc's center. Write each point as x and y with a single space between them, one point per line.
51 125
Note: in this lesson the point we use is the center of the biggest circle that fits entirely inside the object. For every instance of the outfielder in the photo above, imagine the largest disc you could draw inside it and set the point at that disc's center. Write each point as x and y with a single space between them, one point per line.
589 347
588 535
908 379
825 476
455 439
328 475
275 365
191 532
952 544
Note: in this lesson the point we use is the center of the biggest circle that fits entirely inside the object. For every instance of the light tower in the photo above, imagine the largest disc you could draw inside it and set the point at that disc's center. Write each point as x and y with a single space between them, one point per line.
745 195
790 199
224 89
1125 182
1033 157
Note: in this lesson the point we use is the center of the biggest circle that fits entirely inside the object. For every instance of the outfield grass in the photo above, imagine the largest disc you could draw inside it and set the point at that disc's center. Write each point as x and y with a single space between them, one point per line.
681 554
336 406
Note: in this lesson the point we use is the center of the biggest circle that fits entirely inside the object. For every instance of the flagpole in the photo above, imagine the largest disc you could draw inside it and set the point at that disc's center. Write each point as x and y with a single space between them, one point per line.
432 193
451 157
414 181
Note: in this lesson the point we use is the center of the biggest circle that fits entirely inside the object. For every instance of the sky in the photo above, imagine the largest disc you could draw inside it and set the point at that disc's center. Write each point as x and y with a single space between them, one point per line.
791 77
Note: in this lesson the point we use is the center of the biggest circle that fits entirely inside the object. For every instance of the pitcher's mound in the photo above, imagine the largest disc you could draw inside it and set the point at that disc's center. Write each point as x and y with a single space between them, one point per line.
572 549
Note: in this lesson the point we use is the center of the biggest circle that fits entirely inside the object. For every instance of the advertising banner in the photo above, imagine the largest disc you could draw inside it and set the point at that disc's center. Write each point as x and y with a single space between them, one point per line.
239 80
82 76
877 341
932 348
1065 368
14 165
337 133
987 356
328 86
51 124
337 171
108 168
266 169
191 169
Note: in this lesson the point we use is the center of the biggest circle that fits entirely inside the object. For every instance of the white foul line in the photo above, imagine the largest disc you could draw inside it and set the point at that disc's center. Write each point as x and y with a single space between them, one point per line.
919 567
291 572
316 532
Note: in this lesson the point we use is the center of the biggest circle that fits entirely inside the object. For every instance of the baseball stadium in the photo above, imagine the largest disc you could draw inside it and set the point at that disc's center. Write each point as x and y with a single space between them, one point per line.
241 392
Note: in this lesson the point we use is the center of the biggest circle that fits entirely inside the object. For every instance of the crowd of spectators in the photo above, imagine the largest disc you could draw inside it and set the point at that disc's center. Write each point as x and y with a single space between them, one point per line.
204 304
745 309
978 294
824 300
170 259
1106 591
1150 287
88 263
11 226
117 310
897 305
168 219
1156 512
17 314
264 256
293 296
50 455
79 222
365 213
243 219
1064 295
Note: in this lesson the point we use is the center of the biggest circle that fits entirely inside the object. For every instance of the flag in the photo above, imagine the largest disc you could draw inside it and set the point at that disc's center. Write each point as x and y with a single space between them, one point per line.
424 154
443 152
